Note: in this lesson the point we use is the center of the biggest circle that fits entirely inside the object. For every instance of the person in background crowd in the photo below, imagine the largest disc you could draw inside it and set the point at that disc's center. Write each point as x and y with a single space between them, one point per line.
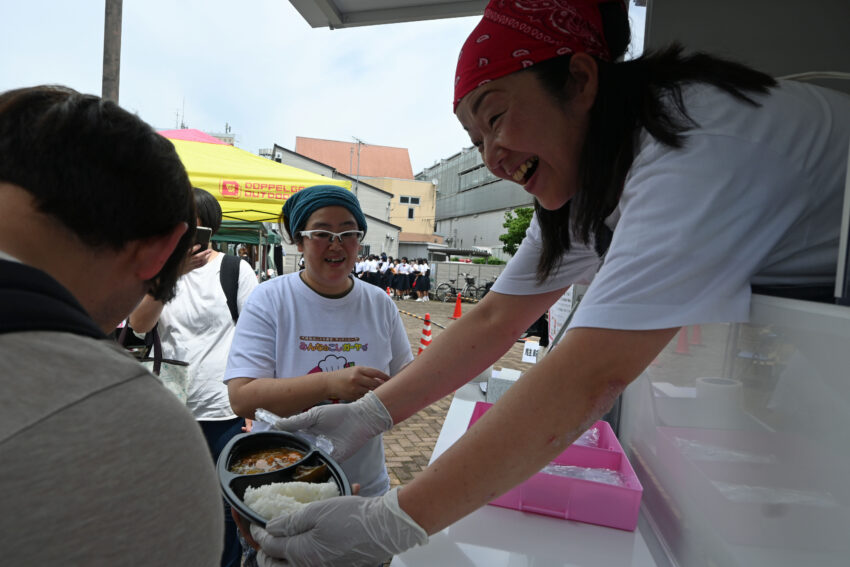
384 274
715 179
423 282
100 465
403 282
414 274
358 268
197 327
373 276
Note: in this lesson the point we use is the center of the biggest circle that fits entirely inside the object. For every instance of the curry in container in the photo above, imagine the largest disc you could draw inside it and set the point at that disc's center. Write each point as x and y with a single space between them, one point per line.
266 460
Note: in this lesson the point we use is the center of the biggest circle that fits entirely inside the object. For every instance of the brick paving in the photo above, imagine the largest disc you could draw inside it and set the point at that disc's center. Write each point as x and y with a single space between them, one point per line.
409 445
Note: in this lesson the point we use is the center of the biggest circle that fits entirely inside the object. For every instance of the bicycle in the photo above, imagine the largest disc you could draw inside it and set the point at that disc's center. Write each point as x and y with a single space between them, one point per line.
483 289
448 291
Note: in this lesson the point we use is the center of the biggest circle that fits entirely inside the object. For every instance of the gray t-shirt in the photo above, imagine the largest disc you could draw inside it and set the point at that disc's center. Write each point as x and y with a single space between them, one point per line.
99 463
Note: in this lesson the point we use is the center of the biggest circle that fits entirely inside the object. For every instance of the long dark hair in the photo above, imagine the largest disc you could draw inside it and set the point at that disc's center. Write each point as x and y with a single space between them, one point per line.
631 95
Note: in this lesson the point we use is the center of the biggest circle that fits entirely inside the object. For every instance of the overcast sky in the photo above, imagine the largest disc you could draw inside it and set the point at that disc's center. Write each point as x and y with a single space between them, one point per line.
255 65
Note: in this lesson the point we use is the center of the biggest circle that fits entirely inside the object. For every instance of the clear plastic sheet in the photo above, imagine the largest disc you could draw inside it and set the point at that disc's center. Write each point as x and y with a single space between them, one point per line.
747 494
589 438
605 476
319 441
697 451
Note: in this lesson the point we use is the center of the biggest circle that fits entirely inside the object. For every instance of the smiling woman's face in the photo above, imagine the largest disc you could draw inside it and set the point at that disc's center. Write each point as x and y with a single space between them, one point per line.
329 265
527 136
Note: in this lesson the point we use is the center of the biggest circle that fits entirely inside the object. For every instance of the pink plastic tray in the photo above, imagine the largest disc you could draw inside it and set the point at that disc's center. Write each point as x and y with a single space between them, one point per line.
579 499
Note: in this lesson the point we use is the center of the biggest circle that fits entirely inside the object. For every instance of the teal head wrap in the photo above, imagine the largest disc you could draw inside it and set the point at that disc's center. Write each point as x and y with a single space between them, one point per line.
304 203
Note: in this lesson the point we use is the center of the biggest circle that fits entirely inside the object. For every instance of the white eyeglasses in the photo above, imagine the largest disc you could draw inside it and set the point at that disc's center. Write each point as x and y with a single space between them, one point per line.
346 237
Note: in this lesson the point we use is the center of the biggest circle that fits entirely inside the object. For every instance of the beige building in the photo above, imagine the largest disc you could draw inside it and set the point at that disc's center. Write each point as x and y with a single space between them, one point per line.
413 204
412 208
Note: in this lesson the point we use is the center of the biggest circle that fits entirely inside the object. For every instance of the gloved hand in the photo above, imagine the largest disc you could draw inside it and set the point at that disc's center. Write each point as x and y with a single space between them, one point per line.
347 531
346 426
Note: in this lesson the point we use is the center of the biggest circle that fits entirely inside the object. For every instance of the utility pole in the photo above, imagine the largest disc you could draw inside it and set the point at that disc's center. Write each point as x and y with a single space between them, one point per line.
112 50
360 144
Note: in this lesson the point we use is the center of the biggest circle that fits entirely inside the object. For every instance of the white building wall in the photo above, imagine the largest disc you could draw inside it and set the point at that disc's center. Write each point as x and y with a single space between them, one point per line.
480 229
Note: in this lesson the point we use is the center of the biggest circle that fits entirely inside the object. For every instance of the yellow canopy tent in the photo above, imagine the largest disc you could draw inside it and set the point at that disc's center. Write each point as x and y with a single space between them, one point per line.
248 187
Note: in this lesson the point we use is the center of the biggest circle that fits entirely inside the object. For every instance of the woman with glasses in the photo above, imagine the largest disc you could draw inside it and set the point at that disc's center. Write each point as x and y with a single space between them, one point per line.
319 336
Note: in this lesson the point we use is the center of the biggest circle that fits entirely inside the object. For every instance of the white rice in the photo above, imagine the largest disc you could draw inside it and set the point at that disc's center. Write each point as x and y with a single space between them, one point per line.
280 498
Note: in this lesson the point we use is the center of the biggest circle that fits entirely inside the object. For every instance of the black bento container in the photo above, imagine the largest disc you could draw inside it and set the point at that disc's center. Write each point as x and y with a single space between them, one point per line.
233 485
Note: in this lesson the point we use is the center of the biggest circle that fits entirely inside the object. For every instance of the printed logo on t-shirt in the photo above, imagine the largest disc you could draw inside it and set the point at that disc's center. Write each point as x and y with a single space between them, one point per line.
333 344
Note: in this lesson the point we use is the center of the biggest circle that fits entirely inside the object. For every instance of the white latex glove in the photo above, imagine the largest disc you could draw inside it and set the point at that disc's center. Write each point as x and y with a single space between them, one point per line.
346 426
347 531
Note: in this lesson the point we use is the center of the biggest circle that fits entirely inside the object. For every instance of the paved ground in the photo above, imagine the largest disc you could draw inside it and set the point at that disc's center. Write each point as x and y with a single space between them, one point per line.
408 445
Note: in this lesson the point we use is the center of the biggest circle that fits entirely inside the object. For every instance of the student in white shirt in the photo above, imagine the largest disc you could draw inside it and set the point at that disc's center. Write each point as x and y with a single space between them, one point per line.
423 281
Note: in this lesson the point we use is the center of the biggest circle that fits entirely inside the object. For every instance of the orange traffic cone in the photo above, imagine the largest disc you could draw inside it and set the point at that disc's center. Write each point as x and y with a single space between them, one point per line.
457 313
696 338
682 343
426 334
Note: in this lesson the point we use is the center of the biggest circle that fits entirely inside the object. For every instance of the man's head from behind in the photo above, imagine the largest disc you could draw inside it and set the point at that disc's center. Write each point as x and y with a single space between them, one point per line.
98 170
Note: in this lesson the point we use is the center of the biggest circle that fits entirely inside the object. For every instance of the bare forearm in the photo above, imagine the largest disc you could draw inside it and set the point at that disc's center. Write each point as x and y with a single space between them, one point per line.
461 352
145 316
283 396
533 422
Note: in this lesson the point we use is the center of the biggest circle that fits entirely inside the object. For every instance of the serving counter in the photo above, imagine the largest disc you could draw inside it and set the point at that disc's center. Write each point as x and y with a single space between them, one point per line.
493 536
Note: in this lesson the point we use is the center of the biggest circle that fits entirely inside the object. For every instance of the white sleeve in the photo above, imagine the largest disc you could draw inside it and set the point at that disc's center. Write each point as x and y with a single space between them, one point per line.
252 353
399 342
246 284
520 275
696 224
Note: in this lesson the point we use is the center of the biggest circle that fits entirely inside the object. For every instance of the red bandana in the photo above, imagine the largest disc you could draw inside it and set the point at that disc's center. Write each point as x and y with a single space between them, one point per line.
515 34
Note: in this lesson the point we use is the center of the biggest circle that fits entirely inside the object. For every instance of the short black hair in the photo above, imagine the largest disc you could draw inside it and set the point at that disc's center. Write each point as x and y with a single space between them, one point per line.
97 169
209 211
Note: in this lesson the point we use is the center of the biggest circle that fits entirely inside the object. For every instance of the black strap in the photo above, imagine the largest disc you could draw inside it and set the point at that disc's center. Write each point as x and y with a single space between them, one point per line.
822 293
31 300
229 276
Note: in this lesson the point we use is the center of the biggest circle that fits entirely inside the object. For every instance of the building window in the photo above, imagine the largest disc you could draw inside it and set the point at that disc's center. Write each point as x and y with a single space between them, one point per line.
475 176
410 212
406 200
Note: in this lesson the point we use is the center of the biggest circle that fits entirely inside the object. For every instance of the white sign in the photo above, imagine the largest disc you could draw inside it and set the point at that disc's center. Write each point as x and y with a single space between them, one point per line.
559 312
530 351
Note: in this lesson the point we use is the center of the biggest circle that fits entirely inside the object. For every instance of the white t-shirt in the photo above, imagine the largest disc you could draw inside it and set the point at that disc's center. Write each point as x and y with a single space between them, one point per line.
196 327
288 330
754 197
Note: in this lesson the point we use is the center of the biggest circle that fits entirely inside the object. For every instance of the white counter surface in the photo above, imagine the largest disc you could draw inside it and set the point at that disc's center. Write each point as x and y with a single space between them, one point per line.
500 537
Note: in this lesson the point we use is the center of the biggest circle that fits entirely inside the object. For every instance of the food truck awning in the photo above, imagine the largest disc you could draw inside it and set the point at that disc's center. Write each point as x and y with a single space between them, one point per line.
346 13
248 187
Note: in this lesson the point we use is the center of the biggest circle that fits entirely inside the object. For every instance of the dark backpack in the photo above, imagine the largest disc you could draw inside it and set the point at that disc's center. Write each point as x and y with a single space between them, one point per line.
229 277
